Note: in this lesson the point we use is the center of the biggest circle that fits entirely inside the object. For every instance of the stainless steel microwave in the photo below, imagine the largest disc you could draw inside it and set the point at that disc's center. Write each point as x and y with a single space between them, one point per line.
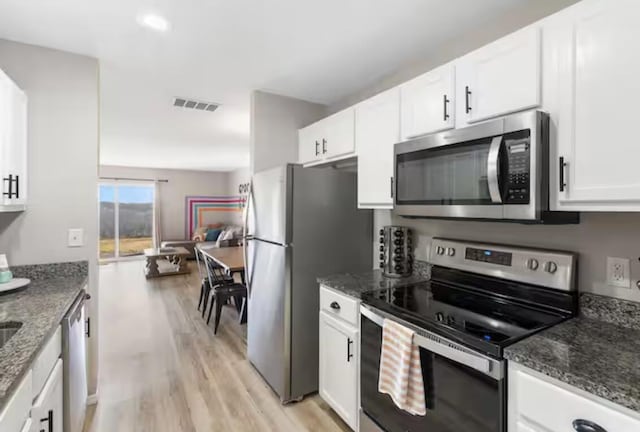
497 170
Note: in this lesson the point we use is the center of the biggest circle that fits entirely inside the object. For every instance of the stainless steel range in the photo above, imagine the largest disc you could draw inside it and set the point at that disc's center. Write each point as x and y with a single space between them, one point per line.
481 298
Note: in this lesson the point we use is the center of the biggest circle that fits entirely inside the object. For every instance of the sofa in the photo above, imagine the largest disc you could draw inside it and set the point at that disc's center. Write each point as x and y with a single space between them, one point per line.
229 236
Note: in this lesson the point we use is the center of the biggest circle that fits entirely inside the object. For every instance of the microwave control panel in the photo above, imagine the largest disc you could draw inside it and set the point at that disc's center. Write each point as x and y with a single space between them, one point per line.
518 184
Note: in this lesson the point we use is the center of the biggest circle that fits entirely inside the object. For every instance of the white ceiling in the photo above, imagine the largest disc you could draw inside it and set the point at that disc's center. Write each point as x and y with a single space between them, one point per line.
221 50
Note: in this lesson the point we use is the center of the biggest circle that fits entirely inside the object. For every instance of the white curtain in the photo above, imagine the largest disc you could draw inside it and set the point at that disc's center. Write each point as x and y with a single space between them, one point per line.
157 219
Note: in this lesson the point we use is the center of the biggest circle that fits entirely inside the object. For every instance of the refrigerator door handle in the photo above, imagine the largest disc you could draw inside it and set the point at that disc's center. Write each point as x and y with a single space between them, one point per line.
246 238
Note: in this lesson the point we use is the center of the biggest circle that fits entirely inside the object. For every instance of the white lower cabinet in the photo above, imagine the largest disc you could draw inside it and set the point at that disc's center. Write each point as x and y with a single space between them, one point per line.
340 355
339 345
538 403
16 412
47 410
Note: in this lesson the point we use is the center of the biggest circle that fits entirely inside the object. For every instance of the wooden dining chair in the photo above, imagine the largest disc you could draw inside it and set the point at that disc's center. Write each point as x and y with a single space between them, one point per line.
221 290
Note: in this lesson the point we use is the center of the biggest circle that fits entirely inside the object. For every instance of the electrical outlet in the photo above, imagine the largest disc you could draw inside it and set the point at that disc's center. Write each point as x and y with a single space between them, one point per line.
618 272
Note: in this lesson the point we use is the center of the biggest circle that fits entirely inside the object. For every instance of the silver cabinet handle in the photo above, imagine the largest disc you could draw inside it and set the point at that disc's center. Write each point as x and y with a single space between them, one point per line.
493 170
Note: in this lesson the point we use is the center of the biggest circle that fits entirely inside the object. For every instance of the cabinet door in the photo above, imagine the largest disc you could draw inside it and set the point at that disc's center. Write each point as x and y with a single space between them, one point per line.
428 103
339 358
13 142
500 78
18 145
377 130
309 144
338 132
597 119
5 127
47 410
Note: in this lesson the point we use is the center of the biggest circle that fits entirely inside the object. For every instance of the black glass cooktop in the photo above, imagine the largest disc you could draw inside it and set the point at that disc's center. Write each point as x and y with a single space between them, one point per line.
487 321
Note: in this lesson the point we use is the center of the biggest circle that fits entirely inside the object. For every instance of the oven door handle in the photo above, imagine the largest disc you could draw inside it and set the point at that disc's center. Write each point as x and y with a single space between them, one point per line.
447 349
493 170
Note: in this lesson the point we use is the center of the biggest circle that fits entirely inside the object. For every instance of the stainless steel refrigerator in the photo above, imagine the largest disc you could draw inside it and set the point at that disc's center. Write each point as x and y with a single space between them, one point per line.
301 223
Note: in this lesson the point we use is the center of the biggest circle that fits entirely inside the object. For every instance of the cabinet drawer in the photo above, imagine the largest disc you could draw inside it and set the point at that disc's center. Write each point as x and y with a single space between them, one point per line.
46 361
16 412
538 402
339 305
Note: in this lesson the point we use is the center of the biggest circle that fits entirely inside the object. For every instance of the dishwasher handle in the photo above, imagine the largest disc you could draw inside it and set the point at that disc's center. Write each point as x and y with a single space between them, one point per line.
75 311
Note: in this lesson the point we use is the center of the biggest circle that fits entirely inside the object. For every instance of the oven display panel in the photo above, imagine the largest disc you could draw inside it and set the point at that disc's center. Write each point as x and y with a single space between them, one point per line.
489 256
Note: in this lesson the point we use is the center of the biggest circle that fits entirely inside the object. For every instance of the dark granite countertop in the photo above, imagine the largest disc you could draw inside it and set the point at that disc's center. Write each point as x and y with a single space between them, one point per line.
40 307
355 284
598 352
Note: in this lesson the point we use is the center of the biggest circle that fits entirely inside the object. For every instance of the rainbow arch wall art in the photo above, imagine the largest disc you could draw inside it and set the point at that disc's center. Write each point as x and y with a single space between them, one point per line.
197 206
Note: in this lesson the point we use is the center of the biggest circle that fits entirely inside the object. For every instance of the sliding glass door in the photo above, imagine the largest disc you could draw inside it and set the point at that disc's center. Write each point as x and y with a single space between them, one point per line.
126 219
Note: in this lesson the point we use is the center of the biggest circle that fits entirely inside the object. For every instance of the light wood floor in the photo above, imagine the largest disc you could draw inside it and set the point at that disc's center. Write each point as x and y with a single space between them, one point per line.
162 368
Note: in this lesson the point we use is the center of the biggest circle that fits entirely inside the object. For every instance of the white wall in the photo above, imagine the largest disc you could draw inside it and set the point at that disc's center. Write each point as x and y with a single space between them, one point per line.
238 177
62 165
181 183
275 121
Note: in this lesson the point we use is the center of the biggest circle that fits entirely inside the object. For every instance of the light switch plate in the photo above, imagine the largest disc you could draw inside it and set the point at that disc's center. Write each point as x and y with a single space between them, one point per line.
76 237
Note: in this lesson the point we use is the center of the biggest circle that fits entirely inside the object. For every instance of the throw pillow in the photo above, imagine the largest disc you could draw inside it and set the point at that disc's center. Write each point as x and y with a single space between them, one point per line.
213 234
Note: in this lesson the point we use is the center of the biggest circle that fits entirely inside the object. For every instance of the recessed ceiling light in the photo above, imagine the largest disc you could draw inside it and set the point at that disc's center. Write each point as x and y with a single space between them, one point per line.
154 22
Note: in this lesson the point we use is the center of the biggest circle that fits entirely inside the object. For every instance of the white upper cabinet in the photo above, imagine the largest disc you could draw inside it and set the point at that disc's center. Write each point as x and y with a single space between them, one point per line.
499 78
428 103
597 90
13 145
338 139
308 144
331 138
377 130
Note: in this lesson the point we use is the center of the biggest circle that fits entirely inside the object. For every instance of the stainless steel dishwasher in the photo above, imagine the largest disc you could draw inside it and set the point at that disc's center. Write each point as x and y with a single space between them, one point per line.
75 365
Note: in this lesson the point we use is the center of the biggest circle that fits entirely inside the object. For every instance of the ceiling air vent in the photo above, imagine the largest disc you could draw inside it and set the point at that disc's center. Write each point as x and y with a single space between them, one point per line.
194 104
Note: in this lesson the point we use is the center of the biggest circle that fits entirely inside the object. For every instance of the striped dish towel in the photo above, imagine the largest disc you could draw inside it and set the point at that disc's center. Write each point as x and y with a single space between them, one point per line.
400 369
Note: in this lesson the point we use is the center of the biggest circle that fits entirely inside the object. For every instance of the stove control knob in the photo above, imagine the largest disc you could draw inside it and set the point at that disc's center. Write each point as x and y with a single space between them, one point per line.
381 231
398 233
381 248
381 264
532 264
440 250
440 316
550 267
451 251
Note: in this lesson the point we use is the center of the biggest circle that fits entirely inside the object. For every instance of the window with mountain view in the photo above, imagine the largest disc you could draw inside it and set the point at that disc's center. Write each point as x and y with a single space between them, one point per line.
126 220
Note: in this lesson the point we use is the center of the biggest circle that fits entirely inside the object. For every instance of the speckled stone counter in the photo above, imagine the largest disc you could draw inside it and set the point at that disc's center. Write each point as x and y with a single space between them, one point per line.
40 307
599 352
355 284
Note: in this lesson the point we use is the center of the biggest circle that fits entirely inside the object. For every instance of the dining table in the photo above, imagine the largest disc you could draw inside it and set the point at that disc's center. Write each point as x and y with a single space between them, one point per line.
231 259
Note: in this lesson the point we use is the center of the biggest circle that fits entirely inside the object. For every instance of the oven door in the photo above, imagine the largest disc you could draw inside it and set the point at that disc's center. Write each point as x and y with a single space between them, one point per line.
464 391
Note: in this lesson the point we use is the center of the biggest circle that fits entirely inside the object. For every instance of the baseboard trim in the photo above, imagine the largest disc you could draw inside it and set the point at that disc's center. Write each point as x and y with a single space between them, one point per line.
92 399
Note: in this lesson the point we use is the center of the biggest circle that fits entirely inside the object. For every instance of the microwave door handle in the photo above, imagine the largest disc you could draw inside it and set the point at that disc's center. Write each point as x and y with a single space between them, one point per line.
493 170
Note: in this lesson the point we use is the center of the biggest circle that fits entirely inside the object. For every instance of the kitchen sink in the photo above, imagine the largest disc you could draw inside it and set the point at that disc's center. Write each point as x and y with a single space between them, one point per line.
7 330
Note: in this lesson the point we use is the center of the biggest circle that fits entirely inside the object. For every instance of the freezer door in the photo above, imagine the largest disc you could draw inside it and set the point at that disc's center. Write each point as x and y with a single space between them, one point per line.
267 206
268 333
